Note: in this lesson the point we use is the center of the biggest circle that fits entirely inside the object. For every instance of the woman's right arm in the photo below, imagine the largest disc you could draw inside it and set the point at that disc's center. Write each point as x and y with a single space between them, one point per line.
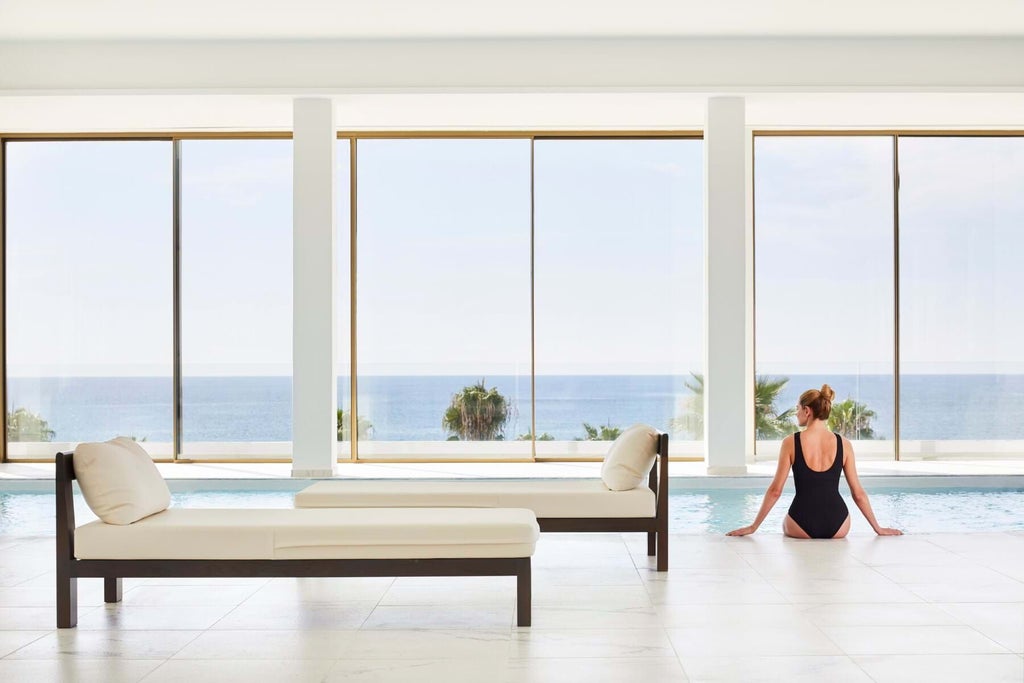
771 496
860 496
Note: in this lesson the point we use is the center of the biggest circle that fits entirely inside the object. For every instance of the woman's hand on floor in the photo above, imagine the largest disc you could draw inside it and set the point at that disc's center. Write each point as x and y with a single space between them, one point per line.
886 531
745 531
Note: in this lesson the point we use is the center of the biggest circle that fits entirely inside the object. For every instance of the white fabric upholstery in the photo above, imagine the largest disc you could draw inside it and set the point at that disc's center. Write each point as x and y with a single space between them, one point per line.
630 458
119 481
547 498
349 533
182 534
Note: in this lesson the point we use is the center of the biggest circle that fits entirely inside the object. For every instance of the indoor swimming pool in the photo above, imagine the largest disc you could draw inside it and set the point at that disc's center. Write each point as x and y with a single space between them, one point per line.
692 511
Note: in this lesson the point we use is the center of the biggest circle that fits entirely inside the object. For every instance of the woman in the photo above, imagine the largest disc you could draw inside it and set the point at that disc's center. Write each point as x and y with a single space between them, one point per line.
816 456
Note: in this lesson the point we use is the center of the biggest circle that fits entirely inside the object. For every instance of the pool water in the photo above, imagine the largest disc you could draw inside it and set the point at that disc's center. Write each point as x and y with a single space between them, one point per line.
912 510
697 512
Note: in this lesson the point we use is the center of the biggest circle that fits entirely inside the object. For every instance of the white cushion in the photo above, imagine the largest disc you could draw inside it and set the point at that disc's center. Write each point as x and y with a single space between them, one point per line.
350 533
119 481
630 458
548 498
180 534
407 533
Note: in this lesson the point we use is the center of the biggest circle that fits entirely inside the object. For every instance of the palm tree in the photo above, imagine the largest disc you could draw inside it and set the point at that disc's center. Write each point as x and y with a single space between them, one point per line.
477 414
852 420
529 436
603 433
768 422
691 422
345 427
24 425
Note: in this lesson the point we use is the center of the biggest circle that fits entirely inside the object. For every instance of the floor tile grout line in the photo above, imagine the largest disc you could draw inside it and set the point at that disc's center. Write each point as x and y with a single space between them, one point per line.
923 654
857 664
377 604
152 671
224 616
991 640
786 599
22 647
839 647
330 668
198 635
941 606
33 578
679 657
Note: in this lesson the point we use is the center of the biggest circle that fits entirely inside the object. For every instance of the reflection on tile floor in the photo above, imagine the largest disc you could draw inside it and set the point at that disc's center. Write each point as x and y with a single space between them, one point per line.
933 607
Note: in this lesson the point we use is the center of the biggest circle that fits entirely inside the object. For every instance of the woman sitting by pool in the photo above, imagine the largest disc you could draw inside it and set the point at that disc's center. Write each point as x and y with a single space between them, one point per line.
816 456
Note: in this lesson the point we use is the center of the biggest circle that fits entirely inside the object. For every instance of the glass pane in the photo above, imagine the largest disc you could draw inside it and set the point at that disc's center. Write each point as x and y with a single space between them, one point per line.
444 297
343 338
619 292
823 249
236 298
89 302
961 326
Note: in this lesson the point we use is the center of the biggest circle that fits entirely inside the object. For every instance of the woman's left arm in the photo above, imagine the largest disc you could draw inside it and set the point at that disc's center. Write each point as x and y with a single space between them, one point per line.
860 496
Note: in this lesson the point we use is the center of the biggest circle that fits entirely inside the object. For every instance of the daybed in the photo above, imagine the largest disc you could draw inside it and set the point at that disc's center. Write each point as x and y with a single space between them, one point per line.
145 539
560 505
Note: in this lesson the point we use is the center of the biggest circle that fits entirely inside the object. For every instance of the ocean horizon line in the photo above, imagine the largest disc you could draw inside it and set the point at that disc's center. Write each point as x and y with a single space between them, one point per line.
411 407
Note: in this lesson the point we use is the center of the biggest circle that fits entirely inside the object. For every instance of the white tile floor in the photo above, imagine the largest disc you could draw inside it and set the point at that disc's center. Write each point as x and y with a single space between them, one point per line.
926 608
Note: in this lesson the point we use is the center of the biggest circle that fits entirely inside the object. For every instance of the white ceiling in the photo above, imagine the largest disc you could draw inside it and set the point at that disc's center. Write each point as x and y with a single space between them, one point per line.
375 19
403 64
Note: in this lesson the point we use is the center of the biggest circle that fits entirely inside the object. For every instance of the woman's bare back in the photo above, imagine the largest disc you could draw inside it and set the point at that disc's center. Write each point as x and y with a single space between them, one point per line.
819 449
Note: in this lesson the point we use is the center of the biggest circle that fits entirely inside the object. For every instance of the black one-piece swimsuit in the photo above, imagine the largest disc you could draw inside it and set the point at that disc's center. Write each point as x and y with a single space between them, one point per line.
818 508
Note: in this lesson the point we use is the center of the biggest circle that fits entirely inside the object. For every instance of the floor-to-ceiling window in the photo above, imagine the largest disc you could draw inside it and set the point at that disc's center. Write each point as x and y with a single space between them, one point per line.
463 293
443 297
236 298
824 285
618 291
447 296
961 233
88 294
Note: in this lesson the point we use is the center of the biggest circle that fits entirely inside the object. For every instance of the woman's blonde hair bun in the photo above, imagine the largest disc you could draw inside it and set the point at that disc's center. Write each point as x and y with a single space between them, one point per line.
819 401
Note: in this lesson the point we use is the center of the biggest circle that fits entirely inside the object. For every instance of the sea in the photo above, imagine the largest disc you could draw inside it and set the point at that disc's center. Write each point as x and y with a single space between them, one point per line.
233 409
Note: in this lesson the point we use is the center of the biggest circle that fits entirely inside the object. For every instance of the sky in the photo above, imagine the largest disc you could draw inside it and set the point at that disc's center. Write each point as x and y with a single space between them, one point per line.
444 256
824 254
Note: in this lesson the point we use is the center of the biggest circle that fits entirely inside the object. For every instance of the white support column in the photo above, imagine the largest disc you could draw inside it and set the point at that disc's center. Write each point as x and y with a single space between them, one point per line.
314 384
729 287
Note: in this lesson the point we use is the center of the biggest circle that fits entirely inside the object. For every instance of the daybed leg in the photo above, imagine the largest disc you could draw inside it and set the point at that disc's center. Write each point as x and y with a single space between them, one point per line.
67 601
523 597
662 551
650 543
111 589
